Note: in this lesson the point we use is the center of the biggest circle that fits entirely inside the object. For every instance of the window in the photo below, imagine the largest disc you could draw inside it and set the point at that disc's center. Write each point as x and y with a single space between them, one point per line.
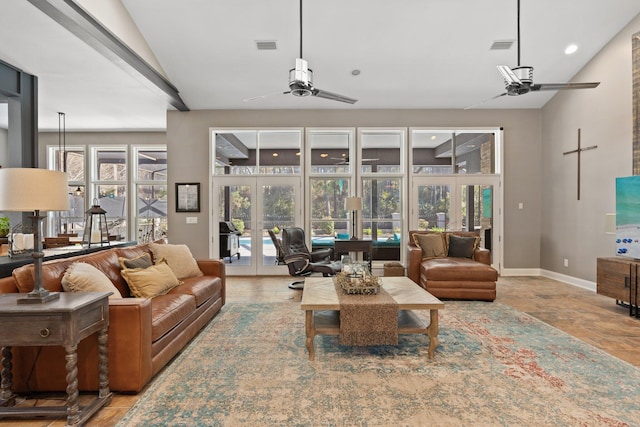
331 168
443 152
150 182
251 152
71 160
109 187
382 181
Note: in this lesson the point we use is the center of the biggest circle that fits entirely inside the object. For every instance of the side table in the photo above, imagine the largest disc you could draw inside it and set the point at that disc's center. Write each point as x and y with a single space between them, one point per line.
64 322
345 246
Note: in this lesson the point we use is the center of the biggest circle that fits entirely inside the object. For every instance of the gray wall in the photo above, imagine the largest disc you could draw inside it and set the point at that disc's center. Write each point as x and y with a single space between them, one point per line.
188 153
574 229
4 148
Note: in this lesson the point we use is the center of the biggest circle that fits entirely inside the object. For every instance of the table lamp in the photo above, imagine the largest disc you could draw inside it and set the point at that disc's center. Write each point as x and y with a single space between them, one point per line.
353 204
31 189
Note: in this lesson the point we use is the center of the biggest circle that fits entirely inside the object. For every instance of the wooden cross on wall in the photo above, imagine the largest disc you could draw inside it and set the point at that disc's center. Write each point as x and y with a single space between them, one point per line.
579 150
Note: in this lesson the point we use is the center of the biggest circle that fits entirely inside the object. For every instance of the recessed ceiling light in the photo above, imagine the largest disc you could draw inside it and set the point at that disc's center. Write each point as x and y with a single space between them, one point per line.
355 72
275 154
433 137
572 48
323 155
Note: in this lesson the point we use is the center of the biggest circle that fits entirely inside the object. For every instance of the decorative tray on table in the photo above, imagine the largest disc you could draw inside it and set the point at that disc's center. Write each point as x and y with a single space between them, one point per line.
358 285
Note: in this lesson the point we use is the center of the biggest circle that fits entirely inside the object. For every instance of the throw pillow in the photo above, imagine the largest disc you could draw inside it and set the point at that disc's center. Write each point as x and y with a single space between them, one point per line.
83 277
141 261
178 257
151 281
432 245
461 247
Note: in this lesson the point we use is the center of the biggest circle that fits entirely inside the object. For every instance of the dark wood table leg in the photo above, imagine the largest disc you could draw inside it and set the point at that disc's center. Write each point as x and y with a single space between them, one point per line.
103 363
73 408
7 398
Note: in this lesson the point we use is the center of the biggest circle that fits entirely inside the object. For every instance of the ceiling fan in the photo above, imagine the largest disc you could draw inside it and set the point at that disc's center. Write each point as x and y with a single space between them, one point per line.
519 80
301 80
345 160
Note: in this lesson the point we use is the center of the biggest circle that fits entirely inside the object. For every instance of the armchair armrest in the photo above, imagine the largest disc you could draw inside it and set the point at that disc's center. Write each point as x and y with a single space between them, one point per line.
482 255
299 261
324 254
414 258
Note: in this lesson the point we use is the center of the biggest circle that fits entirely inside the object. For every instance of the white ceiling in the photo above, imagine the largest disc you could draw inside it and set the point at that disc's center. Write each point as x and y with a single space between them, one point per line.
411 54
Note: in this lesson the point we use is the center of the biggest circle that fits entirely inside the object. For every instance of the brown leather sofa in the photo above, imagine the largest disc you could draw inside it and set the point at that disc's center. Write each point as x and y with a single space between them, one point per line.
144 334
453 278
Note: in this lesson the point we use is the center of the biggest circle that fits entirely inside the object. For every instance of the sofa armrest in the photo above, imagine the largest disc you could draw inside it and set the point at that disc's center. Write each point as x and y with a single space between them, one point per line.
414 257
8 285
129 343
482 255
215 268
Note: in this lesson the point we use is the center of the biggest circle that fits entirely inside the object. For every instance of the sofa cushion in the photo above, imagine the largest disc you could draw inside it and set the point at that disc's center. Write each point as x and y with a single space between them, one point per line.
82 277
140 261
178 257
457 269
461 246
431 244
150 282
202 288
167 311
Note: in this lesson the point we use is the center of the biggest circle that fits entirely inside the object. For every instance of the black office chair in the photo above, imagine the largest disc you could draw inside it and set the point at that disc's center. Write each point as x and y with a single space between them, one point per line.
301 261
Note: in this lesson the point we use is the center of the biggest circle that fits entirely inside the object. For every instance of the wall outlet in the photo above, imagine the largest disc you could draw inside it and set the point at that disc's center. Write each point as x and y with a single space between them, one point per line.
566 262
192 220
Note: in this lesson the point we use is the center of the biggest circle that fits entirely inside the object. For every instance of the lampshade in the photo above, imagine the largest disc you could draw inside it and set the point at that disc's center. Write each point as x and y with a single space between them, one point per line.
31 189
353 204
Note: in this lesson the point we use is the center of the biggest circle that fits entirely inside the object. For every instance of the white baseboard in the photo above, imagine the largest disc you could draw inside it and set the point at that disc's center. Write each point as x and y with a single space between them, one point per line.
520 272
580 283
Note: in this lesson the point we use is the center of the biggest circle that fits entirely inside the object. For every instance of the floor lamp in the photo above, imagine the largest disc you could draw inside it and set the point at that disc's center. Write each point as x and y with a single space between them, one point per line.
353 204
30 189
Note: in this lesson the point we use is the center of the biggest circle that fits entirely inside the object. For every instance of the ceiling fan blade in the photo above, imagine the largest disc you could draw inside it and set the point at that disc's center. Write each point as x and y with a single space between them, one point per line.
485 101
508 75
264 96
333 96
562 86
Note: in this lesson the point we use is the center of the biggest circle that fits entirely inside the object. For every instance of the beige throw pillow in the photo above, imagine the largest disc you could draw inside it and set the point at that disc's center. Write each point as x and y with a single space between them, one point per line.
432 245
83 277
178 257
150 282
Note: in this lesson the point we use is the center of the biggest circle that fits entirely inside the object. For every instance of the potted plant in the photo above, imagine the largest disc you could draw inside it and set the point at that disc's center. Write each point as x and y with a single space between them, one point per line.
4 226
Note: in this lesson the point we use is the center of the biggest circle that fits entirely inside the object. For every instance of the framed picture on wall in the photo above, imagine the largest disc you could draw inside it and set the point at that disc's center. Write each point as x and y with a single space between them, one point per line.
188 197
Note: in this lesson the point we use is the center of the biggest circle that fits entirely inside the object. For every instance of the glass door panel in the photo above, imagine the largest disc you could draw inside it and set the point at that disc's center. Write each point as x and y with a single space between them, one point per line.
277 209
433 203
248 207
235 213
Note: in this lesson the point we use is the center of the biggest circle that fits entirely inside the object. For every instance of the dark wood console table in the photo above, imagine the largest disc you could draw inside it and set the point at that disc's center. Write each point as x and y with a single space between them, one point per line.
343 247
64 322
617 277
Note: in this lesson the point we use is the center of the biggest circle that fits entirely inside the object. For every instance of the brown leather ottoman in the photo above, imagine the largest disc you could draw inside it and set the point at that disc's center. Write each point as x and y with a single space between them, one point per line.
459 278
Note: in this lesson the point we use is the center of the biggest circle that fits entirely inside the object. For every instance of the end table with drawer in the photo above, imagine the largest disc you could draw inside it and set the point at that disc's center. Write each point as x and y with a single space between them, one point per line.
65 322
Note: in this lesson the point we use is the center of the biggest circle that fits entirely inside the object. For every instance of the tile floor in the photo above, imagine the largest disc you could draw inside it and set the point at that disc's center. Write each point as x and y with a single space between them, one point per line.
590 317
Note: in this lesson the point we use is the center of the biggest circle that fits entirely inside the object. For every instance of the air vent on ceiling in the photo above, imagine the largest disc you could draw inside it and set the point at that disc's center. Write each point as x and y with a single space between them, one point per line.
501 44
266 44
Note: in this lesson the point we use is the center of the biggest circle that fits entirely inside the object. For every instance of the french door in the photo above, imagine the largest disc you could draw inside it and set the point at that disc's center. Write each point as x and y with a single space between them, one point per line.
254 205
452 203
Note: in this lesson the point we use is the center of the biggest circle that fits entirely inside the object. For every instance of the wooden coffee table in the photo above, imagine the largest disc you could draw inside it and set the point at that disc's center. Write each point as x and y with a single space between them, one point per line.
322 309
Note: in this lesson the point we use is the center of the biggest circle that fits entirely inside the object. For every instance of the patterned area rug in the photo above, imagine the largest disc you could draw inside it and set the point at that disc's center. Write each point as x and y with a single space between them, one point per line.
494 366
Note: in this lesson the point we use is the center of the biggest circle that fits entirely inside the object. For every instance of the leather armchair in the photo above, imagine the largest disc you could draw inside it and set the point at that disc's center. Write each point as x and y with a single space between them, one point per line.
301 261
